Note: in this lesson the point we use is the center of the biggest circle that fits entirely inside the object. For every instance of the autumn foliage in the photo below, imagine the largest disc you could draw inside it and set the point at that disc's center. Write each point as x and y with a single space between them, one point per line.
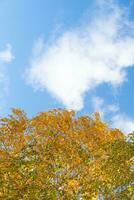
59 156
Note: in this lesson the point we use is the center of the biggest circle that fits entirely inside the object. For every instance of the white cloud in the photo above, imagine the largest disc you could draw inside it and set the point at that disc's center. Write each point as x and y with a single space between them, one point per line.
6 55
117 118
81 59
123 122
99 105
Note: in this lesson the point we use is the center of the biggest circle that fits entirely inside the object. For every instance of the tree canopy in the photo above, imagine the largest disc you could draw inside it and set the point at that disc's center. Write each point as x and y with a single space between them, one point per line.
59 156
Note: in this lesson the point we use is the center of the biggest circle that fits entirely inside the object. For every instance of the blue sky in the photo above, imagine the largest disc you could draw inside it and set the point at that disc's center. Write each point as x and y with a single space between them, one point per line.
68 54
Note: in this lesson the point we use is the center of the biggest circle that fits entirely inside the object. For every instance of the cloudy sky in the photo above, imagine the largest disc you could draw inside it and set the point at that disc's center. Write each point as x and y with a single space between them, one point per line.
68 54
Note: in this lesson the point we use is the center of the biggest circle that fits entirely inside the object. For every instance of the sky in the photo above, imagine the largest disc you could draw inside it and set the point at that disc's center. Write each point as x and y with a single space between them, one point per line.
68 54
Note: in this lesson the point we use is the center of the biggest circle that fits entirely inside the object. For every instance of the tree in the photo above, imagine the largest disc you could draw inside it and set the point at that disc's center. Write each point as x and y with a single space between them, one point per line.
57 155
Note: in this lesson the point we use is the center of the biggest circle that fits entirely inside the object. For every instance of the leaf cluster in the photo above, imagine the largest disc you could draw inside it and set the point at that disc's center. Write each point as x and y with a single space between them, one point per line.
59 156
